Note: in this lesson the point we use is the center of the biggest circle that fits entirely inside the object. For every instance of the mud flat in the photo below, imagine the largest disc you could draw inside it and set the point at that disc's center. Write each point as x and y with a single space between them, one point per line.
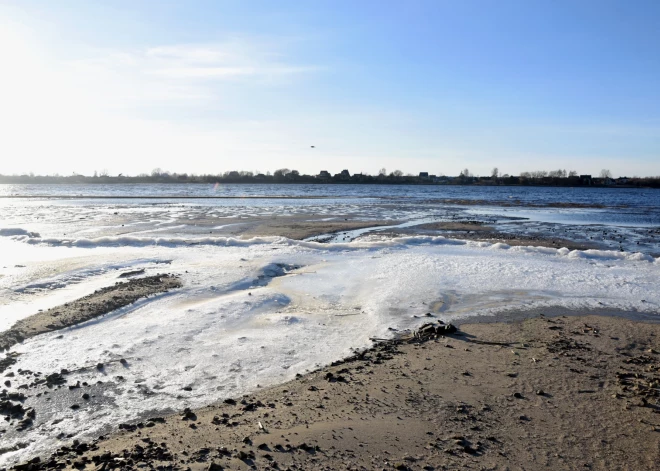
301 228
566 392
480 232
96 304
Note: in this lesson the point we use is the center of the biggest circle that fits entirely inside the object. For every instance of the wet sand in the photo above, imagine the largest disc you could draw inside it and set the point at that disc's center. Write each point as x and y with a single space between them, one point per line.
480 232
577 392
296 227
302 228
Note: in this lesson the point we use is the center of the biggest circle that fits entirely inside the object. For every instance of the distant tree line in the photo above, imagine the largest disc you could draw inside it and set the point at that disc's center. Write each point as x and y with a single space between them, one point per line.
559 177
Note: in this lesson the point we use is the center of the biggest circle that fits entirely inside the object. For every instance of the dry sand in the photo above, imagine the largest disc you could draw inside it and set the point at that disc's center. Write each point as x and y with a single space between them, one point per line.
545 393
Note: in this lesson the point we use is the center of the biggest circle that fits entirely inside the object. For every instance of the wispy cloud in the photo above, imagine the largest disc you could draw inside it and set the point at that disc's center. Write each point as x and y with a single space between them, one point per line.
221 61
185 74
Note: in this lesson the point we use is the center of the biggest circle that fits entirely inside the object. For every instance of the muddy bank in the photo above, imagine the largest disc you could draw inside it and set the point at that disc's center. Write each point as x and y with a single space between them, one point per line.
545 393
483 233
96 304
299 229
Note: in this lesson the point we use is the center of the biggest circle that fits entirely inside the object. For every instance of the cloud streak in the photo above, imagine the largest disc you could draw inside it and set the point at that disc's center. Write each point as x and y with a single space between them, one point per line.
221 61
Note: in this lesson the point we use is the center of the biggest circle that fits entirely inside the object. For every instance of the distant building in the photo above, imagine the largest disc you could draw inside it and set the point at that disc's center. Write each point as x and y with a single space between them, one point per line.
344 175
358 177
324 175
424 175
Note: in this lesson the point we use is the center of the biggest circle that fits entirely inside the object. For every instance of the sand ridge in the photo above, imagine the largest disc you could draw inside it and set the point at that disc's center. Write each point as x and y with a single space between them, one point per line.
88 307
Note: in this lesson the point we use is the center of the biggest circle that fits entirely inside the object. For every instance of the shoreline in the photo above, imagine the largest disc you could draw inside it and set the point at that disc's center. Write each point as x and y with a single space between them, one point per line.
411 406
576 392
97 304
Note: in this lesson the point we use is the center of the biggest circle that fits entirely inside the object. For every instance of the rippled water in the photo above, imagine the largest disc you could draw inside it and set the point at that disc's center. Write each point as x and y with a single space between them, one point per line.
528 195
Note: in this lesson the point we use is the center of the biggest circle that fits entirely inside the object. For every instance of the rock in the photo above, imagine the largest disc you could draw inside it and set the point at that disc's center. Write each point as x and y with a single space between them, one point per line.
230 401
188 414
54 379
306 447
446 329
23 424
214 467
540 392
517 395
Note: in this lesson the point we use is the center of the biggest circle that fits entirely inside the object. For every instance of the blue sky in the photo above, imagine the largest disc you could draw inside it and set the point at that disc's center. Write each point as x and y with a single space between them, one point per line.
437 86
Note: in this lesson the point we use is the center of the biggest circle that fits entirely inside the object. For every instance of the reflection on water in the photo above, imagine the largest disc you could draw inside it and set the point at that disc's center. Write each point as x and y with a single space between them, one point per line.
514 195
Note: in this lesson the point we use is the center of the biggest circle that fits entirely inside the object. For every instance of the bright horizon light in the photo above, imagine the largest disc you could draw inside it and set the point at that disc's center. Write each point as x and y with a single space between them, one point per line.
212 87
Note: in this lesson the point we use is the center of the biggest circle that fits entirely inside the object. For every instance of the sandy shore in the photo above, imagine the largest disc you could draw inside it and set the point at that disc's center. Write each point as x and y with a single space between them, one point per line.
96 304
580 392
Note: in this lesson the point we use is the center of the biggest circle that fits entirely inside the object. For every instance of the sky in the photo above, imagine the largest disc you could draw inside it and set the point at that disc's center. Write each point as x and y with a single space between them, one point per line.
437 86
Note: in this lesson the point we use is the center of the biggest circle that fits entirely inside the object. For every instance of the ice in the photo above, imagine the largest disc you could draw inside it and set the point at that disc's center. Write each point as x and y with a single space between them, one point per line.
255 312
